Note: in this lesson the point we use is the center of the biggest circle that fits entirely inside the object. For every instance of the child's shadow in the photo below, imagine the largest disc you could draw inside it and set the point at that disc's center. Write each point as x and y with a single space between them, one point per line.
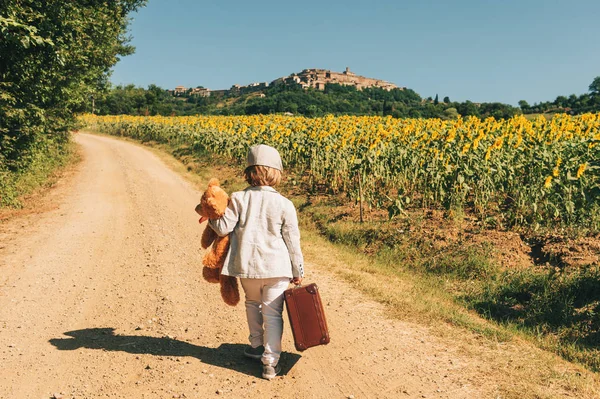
228 356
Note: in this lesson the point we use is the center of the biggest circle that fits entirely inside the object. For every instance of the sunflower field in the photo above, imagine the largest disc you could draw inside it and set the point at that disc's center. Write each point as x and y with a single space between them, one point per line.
514 172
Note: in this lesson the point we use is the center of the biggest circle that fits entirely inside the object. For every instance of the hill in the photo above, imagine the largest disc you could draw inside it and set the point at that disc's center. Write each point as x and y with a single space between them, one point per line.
289 96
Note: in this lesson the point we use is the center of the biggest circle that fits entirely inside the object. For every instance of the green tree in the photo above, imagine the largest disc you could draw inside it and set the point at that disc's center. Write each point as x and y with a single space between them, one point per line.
446 100
56 57
468 109
573 100
561 101
450 113
595 86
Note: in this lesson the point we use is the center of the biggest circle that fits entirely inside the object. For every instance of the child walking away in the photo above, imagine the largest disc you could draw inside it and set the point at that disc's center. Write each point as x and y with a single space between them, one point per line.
264 253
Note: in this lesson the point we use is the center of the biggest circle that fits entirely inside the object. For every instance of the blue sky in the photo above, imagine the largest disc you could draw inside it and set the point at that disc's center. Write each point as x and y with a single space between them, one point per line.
478 50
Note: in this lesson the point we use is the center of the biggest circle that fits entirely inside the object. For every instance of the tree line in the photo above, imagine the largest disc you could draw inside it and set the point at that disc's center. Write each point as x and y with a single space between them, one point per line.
573 104
290 97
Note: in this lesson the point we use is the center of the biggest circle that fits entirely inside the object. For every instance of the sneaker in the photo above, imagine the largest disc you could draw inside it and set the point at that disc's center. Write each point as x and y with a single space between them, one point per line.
254 353
269 372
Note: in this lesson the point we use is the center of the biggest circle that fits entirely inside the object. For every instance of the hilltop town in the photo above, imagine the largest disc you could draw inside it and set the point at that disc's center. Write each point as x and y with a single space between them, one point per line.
308 78
311 92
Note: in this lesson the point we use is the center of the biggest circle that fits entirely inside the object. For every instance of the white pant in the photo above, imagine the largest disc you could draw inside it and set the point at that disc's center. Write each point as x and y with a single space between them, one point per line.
264 305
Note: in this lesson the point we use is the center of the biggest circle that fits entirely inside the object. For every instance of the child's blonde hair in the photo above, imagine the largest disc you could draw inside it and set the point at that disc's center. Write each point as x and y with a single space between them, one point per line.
259 175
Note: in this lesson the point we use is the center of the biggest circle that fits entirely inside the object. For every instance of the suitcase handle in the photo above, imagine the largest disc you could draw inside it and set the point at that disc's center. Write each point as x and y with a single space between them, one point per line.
312 290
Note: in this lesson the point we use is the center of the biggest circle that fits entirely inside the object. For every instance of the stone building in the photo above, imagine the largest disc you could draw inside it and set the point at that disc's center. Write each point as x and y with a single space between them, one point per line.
200 91
308 78
179 90
318 78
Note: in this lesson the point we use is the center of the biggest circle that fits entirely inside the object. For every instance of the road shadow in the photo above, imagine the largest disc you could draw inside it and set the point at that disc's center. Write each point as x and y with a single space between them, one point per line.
229 356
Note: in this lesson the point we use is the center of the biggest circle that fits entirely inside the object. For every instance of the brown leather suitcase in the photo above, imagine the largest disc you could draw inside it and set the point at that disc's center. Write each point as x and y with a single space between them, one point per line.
307 317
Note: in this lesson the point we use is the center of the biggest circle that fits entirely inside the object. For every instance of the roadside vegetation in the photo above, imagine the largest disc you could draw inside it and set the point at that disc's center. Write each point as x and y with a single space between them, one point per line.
55 57
494 272
43 164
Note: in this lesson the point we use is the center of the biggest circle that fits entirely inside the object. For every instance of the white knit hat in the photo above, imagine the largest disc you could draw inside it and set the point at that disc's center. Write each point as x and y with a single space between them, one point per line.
264 155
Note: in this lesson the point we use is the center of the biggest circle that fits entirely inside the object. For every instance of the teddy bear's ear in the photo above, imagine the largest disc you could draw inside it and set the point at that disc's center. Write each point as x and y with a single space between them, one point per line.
213 182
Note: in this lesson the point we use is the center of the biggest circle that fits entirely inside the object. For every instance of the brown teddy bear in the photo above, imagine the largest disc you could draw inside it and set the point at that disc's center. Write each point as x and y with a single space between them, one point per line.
212 205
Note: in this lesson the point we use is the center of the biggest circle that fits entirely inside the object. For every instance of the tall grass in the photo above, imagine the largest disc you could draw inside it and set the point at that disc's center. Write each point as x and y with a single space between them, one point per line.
561 306
43 161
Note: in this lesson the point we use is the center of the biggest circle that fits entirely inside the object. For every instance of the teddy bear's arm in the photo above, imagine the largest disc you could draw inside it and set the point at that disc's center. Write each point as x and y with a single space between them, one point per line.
208 237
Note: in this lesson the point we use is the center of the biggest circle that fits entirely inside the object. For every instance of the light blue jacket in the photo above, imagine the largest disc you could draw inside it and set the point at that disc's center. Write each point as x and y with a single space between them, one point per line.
265 239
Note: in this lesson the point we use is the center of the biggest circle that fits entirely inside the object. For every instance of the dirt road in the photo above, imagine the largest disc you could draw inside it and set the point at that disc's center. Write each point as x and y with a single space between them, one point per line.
103 296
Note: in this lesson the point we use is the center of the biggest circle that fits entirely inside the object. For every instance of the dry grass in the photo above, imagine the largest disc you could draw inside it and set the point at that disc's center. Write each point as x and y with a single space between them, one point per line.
521 369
